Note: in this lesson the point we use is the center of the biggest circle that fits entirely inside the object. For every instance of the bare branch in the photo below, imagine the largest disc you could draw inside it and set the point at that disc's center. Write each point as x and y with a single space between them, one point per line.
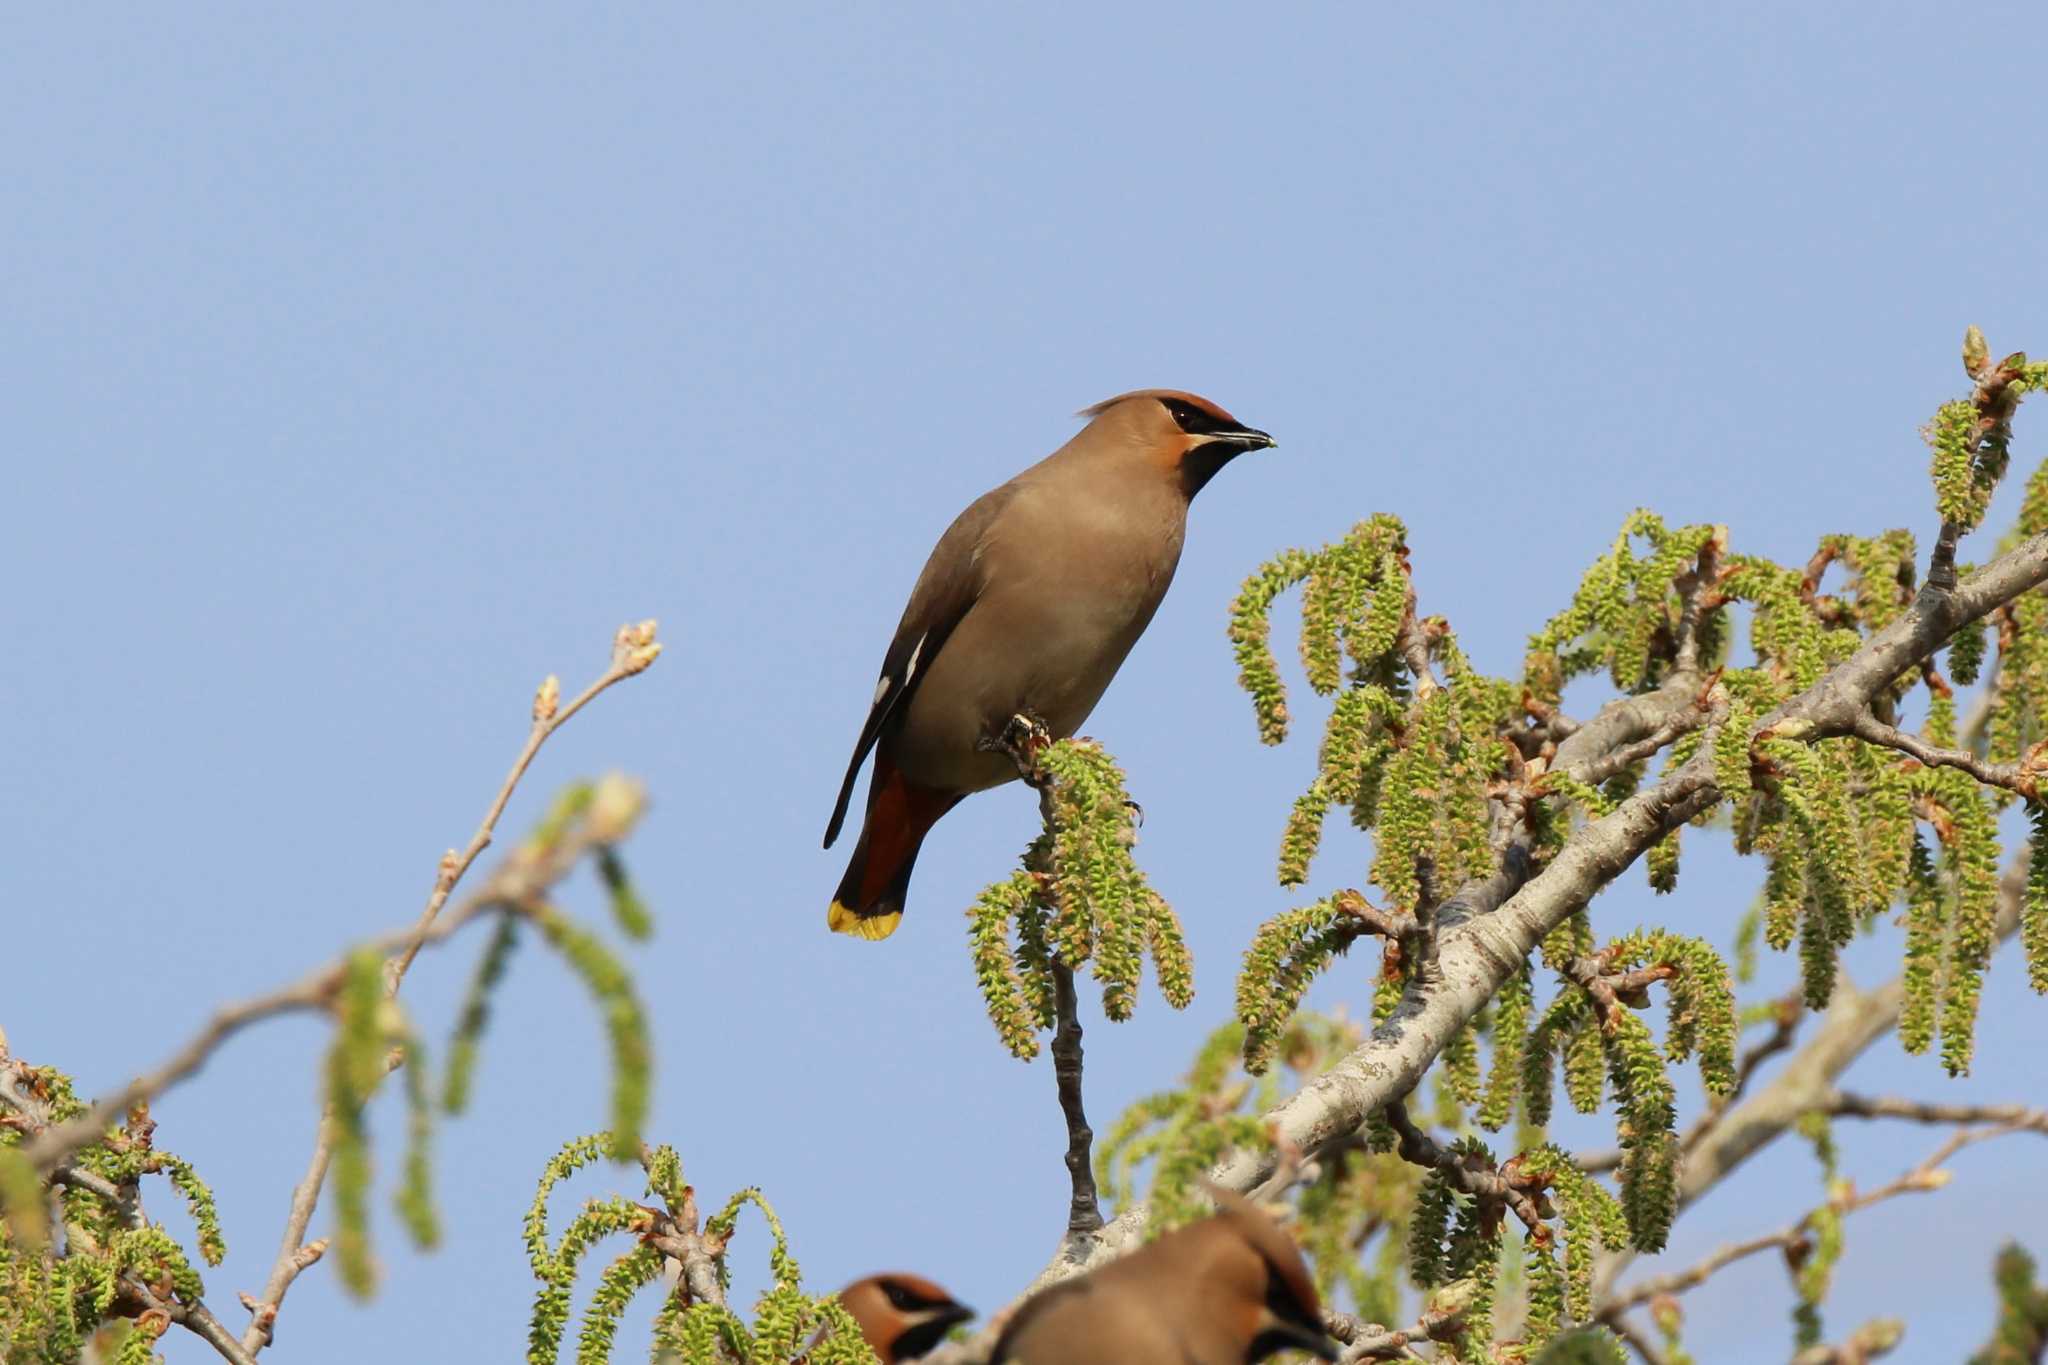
1084 1211
634 648
2016 1117
1413 642
1619 759
1926 1176
1524 1195
1364 1341
2021 778
194 1317
1873 1339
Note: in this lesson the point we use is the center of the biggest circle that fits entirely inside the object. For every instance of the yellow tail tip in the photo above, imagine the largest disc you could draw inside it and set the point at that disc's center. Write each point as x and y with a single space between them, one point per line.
844 920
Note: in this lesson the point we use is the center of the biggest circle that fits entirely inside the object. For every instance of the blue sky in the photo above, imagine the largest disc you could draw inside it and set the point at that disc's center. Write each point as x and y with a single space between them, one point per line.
364 368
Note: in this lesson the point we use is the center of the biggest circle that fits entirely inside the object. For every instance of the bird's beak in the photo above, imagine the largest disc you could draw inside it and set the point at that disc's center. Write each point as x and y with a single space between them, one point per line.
926 1329
952 1315
1248 438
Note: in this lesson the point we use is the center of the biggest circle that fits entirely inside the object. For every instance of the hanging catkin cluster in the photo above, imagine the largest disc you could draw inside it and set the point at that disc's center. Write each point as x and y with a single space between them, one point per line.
1352 1217
371 1028
56 1293
1410 758
1441 765
61 1258
1079 898
688 1332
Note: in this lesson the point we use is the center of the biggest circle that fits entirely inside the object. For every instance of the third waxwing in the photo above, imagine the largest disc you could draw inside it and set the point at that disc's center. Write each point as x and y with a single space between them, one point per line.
1228 1290
901 1316
1027 607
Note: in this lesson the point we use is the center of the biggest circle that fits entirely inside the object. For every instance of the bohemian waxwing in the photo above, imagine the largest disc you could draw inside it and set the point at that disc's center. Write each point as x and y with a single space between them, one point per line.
1228 1290
902 1316
1027 607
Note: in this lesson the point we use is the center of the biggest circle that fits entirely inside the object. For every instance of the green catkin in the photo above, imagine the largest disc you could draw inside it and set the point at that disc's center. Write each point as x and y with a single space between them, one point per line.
1250 635
2034 900
355 1066
1662 864
1973 863
1428 1225
1966 652
1926 932
476 1013
1510 1029
625 1022
995 966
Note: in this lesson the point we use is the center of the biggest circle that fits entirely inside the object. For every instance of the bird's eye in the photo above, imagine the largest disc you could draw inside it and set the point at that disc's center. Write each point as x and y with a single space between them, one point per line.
1182 413
898 1296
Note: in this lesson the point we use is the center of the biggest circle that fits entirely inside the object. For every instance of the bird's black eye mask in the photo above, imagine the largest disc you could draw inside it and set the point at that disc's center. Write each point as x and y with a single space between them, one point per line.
1193 420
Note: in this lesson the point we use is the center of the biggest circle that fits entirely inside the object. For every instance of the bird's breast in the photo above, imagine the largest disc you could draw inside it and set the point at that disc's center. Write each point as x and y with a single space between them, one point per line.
1064 599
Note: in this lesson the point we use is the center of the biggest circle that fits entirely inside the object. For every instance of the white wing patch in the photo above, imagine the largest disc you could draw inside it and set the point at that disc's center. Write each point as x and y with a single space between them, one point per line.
886 684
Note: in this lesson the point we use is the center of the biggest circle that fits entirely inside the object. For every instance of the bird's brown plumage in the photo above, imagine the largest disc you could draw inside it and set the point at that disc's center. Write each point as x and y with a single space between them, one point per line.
1027 606
901 1316
1228 1290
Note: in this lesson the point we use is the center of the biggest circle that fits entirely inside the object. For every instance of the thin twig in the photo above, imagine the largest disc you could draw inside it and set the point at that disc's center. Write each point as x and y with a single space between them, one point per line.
1084 1212
633 649
1023 739
1523 1194
195 1317
1925 1176
2016 1117
1619 760
2021 777
1413 642
1364 1341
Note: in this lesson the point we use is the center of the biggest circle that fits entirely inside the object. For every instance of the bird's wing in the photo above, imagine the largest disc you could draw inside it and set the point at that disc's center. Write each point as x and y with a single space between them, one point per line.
945 593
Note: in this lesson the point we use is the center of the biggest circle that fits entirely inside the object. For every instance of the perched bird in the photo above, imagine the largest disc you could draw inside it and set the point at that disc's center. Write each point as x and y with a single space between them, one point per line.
1228 1290
1027 607
902 1316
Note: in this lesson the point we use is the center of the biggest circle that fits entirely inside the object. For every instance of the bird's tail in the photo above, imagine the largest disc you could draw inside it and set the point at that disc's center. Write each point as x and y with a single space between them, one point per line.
869 901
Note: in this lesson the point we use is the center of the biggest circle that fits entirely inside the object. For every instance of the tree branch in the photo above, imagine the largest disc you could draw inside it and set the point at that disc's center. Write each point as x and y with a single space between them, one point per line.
634 648
2015 1117
1497 1187
1365 1341
1855 1020
2020 777
35 1118
1489 928
1023 739
1926 1176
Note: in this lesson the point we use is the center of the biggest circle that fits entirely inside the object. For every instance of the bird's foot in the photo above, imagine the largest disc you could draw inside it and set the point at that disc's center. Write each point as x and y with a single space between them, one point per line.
1024 737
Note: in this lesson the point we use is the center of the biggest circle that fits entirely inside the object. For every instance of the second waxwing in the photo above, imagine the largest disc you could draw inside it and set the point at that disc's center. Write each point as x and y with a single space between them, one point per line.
902 1316
1228 1290
1026 608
